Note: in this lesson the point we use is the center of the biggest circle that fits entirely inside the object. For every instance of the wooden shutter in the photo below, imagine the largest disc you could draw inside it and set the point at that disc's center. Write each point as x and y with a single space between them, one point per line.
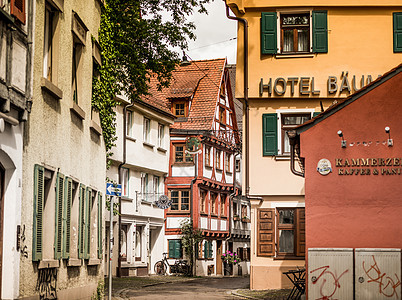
240 253
171 248
269 134
397 16
206 249
87 239
100 223
268 33
18 10
210 250
178 249
68 195
265 232
320 32
58 231
300 232
81 221
39 194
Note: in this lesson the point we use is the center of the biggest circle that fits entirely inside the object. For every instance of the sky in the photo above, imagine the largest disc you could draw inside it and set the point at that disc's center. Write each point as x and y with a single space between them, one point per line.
216 34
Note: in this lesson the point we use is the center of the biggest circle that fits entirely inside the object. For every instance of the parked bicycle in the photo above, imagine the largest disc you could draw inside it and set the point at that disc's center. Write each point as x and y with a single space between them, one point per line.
180 266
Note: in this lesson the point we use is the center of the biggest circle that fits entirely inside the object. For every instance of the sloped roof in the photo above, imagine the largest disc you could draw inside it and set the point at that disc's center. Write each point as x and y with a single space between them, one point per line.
344 102
200 80
238 105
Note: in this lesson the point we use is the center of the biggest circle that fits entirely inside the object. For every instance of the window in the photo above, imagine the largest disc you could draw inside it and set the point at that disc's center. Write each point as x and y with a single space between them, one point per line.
223 205
180 109
147 129
235 210
244 211
179 150
130 123
48 43
208 252
294 34
175 249
288 229
203 201
161 134
144 186
213 203
180 200
243 253
156 187
18 10
397 16
218 159
238 165
207 156
222 115
288 121
77 51
227 162
124 182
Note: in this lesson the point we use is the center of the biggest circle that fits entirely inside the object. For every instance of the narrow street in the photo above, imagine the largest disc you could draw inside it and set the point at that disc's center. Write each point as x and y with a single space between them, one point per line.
160 287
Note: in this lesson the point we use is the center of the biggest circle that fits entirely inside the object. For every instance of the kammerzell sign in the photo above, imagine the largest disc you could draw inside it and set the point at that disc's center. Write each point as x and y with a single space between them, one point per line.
369 166
307 86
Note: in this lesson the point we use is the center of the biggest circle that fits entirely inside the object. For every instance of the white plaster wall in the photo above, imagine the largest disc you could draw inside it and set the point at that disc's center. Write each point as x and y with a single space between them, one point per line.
214 224
18 73
245 265
218 175
11 159
172 222
223 225
157 239
229 176
183 171
203 223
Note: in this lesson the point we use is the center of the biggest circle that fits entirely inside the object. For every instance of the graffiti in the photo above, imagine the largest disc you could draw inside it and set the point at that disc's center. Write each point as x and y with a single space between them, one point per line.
329 282
46 283
386 285
21 241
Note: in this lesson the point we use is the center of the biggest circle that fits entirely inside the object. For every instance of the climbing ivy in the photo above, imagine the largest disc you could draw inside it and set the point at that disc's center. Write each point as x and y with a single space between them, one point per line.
138 39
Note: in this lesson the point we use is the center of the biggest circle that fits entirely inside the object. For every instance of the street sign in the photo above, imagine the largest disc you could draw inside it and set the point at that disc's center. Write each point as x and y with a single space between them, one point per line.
113 189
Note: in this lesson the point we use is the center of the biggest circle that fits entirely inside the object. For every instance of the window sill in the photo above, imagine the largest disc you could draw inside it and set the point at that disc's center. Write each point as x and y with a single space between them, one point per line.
77 110
130 138
214 215
183 164
51 88
125 198
294 55
203 213
220 170
282 157
224 217
208 167
161 150
178 212
94 262
148 145
289 258
7 16
228 172
49 263
74 262
96 127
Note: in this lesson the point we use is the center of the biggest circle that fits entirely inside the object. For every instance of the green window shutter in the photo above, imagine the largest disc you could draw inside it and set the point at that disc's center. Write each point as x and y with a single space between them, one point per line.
100 223
68 194
316 113
268 33
206 250
210 252
39 194
397 31
87 239
58 232
81 221
171 248
320 32
269 134
178 249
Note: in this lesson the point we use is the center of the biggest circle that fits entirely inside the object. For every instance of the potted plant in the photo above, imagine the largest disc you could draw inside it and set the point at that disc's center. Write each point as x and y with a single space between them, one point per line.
229 259
236 217
245 219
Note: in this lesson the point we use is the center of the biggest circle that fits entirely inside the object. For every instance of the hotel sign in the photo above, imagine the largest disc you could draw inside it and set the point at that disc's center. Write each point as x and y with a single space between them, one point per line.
368 166
306 86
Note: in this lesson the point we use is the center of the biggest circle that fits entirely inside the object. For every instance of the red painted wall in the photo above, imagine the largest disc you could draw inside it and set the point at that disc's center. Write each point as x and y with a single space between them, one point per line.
356 210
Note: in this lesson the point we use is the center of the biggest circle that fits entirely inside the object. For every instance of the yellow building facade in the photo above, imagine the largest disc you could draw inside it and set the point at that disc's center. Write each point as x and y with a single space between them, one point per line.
300 57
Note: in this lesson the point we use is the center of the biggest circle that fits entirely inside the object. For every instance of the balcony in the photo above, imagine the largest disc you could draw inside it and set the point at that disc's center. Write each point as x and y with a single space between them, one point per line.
147 198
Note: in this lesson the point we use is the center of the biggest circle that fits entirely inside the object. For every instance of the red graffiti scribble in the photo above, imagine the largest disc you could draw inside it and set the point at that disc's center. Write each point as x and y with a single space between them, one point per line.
334 280
386 285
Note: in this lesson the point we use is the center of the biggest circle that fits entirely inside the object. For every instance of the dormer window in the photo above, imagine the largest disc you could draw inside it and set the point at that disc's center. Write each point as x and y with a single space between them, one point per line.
180 109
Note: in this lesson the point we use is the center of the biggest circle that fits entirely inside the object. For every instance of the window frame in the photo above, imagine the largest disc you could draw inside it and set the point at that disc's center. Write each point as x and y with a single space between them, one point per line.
50 19
185 108
129 124
228 156
222 115
161 135
218 154
223 200
294 27
125 184
179 200
214 198
203 201
282 129
146 130
187 158
208 156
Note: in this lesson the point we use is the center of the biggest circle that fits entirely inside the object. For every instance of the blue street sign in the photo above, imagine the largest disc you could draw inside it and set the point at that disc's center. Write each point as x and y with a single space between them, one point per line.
113 189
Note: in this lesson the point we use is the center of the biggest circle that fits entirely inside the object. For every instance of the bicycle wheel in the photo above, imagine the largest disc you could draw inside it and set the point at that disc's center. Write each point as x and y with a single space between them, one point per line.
160 268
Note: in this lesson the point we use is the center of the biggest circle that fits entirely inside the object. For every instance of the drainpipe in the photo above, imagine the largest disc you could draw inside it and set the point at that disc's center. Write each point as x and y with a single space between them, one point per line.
231 197
120 181
191 204
294 140
246 147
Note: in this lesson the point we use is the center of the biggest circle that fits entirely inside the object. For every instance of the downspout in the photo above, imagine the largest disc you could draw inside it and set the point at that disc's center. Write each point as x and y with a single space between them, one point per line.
120 181
246 147
231 197
294 139
191 206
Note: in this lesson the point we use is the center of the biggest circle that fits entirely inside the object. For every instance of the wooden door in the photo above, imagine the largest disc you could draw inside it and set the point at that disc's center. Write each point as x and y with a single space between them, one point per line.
218 257
2 175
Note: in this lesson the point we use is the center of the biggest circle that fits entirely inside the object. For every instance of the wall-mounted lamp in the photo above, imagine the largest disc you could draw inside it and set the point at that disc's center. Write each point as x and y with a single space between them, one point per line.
343 142
390 142
29 105
184 60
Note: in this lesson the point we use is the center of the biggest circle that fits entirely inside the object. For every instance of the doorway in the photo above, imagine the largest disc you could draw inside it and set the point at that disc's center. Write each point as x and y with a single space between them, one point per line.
2 183
218 257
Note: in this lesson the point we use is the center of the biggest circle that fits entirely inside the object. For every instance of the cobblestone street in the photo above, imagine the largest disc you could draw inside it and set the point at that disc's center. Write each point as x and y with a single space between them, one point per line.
170 287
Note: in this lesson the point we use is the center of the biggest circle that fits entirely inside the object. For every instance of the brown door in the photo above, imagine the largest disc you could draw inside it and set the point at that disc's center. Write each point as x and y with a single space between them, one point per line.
2 175
218 257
